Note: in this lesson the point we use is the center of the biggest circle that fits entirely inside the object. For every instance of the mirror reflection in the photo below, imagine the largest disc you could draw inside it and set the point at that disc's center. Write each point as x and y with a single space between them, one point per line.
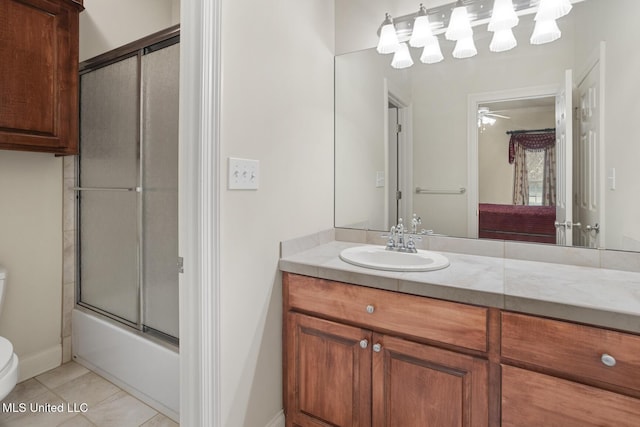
436 141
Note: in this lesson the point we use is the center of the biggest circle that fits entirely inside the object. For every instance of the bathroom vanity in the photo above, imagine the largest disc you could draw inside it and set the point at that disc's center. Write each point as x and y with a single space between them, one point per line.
383 351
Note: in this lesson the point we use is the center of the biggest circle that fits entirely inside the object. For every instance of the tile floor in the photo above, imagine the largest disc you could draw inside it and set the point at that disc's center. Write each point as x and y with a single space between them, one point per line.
86 400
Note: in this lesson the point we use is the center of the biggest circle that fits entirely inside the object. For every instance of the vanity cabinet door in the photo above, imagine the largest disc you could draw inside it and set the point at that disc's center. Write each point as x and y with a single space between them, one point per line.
39 75
415 385
328 373
533 399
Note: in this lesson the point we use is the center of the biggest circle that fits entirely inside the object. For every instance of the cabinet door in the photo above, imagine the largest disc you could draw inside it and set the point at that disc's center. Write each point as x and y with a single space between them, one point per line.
415 385
328 373
39 75
533 399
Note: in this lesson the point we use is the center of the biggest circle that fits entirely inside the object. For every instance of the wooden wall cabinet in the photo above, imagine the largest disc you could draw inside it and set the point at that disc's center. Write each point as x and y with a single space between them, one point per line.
351 362
39 75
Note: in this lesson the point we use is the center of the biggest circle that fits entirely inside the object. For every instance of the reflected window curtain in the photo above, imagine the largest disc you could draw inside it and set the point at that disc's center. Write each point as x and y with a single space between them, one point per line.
520 176
519 144
549 183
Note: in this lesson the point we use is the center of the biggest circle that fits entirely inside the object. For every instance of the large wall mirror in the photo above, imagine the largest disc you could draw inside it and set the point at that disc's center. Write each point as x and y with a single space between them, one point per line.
445 141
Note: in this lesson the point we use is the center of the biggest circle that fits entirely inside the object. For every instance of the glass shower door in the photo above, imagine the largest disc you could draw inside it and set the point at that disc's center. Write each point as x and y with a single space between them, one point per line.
128 189
109 274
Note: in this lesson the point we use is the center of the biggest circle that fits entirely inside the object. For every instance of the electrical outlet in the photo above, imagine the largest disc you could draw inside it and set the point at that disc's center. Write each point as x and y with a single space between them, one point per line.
243 174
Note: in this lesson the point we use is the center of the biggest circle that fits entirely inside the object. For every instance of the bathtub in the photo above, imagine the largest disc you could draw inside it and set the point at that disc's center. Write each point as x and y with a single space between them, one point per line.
144 368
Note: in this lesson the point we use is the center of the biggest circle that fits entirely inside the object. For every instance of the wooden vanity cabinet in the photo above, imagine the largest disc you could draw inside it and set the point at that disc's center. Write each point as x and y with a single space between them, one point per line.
557 373
349 361
39 75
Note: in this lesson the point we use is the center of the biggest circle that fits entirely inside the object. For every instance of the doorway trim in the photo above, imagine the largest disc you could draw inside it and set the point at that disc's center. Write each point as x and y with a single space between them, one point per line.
405 144
199 213
473 101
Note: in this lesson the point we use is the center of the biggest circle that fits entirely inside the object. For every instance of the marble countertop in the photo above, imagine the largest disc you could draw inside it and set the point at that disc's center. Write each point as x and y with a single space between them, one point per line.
596 296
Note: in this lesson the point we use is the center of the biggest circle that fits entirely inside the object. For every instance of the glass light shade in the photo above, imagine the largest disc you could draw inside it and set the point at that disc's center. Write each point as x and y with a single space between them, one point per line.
486 120
465 48
421 34
503 40
402 57
545 32
503 16
459 25
552 9
431 53
388 42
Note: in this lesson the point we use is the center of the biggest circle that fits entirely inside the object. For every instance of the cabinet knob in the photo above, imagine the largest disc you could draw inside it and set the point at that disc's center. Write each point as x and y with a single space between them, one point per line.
370 309
608 360
377 348
364 343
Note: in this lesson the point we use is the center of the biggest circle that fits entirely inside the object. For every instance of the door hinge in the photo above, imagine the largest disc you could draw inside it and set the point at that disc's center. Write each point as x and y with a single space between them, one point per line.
180 265
398 195
398 128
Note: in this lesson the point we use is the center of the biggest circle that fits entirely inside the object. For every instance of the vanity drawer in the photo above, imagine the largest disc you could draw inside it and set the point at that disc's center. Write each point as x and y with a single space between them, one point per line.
391 312
533 399
575 350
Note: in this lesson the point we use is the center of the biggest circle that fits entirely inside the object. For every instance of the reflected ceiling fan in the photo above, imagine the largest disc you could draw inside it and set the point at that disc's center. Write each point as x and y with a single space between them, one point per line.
488 117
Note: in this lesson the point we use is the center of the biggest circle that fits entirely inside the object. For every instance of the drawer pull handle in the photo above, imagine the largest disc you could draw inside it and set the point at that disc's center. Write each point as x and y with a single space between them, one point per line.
364 344
370 309
377 348
608 360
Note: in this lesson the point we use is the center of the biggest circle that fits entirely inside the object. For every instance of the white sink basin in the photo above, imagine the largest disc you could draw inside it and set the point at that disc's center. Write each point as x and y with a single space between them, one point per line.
379 258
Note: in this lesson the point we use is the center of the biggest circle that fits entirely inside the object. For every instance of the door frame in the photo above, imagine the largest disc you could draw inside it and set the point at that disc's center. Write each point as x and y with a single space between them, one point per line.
199 213
473 102
405 149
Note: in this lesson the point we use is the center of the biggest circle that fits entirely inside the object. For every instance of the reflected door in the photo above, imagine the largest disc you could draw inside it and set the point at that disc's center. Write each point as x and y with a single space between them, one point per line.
393 195
564 149
587 174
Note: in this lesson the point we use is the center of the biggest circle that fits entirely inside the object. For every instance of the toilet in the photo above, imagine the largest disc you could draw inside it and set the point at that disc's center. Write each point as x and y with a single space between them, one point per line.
8 359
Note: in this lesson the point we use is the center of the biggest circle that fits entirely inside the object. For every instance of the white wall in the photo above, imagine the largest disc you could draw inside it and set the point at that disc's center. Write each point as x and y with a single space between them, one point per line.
31 251
360 136
277 107
108 24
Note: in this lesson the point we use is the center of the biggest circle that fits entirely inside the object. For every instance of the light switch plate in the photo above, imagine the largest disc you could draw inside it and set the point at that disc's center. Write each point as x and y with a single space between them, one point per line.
243 174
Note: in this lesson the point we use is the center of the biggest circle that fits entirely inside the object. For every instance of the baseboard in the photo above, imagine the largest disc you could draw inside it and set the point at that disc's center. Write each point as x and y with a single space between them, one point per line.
35 364
277 421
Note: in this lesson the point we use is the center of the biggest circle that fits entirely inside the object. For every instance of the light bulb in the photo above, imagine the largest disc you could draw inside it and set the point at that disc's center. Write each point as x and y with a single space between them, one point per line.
465 48
545 32
459 25
402 57
388 42
421 34
503 40
503 16
552 9
431 53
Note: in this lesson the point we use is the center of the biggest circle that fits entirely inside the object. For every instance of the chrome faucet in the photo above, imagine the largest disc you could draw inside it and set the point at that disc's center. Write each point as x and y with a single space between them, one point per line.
396 241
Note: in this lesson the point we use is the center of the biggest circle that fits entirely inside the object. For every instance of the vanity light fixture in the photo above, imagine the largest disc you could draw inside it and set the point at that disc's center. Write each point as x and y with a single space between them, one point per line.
465 48
431 54
546 29
545 32
460 25
503 19
421 34
402 57
388 42
456 21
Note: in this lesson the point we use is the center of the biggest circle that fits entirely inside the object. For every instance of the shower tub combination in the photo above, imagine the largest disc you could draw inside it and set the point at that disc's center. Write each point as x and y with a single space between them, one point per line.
125 324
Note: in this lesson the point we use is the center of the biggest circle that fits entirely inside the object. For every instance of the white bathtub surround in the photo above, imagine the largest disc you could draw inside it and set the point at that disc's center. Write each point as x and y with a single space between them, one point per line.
142 367
589 294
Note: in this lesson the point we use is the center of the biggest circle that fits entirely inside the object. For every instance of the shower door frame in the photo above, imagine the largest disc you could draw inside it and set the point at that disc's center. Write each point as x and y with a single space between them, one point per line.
138 48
